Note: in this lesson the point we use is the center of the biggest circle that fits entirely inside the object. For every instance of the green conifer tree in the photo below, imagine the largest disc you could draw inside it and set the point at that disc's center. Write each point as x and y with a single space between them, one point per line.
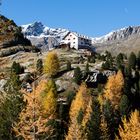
77 75
124 104
132 60
138 60
10 107
87 68
93 124
17 68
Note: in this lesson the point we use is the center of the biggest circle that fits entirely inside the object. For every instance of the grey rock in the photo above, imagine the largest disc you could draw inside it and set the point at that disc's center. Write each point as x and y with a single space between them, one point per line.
42 36
124 40
2 83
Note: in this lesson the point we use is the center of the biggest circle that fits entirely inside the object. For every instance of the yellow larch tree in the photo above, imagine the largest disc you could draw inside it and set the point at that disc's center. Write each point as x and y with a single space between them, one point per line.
50 103
120 79
131 128
49 86
113 89
79 103
101 99
51 64
104 129
87 115
75 131
40 109
31 120
49 98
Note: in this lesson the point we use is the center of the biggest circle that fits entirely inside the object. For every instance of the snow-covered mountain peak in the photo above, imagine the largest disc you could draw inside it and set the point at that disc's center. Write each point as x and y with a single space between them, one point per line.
37 29
42 36
119 34
34 29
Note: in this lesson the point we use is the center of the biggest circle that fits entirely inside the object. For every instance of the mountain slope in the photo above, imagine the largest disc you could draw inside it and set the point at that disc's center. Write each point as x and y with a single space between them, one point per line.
124 40
43 36
11 38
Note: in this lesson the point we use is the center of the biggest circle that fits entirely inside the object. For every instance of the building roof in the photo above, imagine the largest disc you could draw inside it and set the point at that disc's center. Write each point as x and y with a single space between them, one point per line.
76 34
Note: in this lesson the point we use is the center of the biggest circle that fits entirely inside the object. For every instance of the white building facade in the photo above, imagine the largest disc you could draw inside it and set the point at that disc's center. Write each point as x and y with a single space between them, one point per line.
77 41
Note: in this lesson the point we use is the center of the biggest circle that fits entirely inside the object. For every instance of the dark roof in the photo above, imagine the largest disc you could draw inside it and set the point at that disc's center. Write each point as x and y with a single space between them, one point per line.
78 35
66 35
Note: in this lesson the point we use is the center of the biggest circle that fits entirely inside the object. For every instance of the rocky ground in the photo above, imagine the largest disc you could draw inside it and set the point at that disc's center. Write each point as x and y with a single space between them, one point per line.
29 59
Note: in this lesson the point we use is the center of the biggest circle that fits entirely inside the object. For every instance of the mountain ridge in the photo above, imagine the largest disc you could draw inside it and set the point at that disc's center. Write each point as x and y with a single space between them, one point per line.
118 34
42 36
39 35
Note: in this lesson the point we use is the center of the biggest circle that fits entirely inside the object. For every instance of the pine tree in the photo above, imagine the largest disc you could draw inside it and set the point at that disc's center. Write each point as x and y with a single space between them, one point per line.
119 57
138 60
127 71
87 68
51 65
119 62
92 129
106 65
108 113
132 61
17 68
123 106
130 129
136 78
77 75
11 105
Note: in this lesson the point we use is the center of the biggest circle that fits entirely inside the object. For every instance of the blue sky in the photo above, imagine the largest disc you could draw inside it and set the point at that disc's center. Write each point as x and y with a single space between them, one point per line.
89 17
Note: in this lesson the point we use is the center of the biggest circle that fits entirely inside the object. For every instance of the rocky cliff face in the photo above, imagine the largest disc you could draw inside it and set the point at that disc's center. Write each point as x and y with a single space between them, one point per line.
119 35
42 36
124 40
44 43
11 38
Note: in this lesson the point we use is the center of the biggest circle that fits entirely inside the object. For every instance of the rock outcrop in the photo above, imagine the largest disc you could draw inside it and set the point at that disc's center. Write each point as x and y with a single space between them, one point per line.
11 38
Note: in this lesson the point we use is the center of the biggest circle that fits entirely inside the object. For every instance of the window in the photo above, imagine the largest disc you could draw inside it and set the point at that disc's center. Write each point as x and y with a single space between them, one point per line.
81 42
74 38
73 42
